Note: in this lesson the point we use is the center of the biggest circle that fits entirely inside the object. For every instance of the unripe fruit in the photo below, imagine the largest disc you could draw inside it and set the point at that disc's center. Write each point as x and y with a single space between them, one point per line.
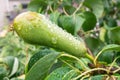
35 28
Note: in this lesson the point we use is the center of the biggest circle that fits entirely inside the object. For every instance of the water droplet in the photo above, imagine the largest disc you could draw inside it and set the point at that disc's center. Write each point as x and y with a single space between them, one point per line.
70 38
54 40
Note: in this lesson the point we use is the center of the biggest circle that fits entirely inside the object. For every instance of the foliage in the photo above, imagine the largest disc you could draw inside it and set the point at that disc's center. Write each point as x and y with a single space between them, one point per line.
93 21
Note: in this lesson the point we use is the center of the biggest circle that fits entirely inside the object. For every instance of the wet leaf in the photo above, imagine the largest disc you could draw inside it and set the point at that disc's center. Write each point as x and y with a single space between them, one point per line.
38 55
41 68
58 73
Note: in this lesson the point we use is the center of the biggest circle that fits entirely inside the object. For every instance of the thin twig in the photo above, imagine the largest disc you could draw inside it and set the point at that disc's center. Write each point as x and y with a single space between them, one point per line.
90 52
65 12
79 61
86 76
97 57
51 8
80 5
113 77
116 70
88 71
113 64
77 70
107 78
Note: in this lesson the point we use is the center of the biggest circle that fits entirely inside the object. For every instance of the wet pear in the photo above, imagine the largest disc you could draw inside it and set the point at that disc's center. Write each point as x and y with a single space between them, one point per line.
35 28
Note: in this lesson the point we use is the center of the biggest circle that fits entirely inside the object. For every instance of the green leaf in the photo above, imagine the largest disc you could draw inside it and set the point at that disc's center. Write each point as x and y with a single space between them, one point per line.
36 5
58 73
41 68
69 9
54 17
3 72
79 21
118 77
90 20
67 23
69 75
37 56
96 6
103 35
111 47
114 35
96 77
93 44
12 63
111 22
106 57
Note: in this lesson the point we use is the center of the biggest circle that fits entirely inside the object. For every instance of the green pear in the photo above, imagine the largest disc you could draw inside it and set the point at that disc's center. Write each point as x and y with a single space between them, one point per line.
35 28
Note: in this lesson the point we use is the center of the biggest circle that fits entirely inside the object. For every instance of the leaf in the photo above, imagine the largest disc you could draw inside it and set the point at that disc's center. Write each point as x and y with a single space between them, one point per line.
96 7
15 67
103 35
93 44
42 5
106 57
69 9
12 63
38 55
54 17
111 47
58 73
36 5
79 21
117 55
41 68
90 20
67 23
69 75
3 72
96 77
118 77
114 35
111 22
